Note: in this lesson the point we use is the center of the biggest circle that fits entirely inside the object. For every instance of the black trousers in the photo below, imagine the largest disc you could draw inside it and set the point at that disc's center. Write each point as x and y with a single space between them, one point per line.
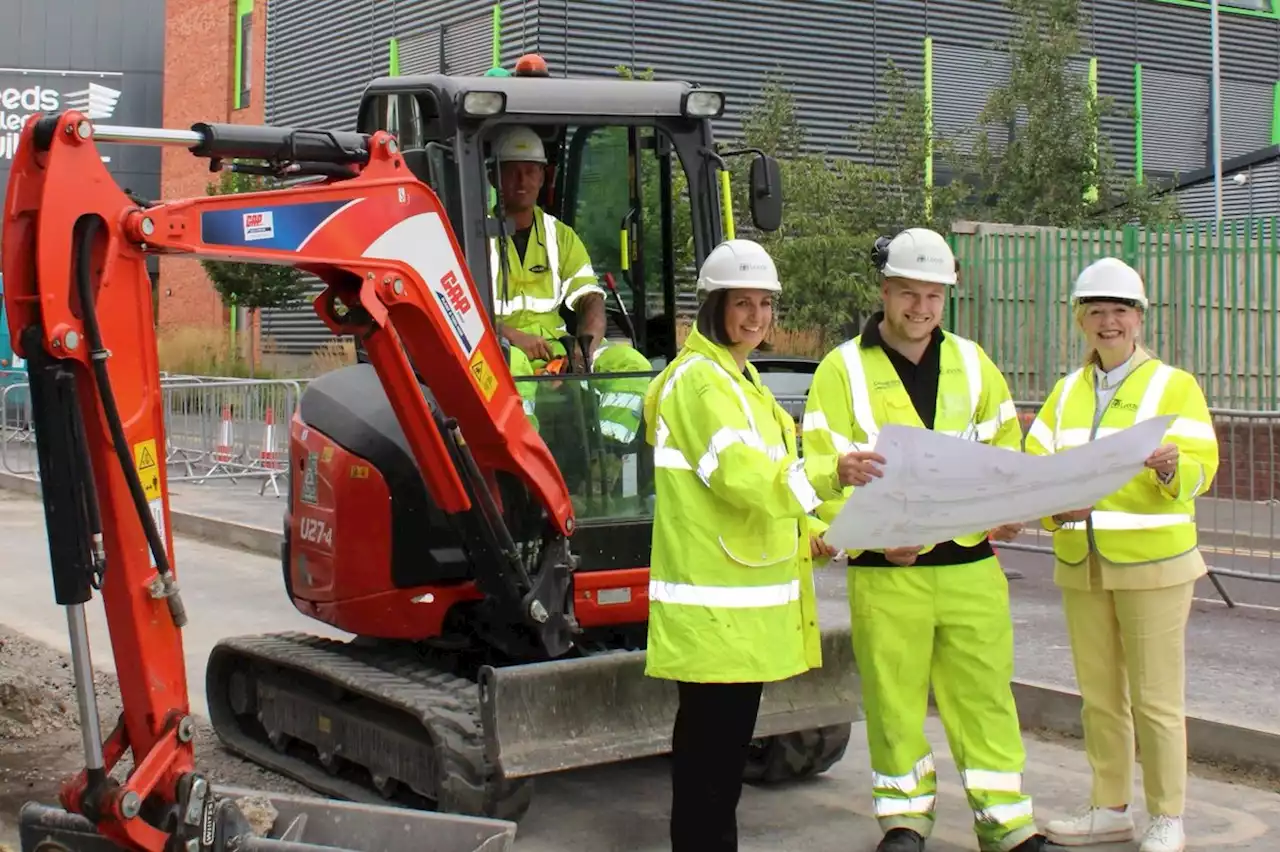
709 745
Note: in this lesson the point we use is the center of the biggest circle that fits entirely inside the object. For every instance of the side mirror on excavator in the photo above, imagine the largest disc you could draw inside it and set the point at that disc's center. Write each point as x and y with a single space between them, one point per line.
766 193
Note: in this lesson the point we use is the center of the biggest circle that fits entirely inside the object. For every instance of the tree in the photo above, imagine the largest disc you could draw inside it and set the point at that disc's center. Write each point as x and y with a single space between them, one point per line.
252 286
1039 155
836 207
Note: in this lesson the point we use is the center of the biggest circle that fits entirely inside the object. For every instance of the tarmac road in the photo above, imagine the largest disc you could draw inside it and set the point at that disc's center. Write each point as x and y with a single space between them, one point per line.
624 807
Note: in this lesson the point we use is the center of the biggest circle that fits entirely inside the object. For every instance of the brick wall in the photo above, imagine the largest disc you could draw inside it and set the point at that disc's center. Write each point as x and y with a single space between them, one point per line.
198 82
1248 453
1249 459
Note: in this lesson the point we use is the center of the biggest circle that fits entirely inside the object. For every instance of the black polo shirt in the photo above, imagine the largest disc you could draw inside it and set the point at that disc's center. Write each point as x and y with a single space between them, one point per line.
921 383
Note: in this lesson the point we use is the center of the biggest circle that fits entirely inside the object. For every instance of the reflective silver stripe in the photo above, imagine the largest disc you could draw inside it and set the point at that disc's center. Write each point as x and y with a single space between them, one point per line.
908 783
1068 383
990 781
886 806
670 458
972 370
1130 521
721 441
622 399
1150 403
816 421
801 488
724 597
1005 814
863 414
528 407
619 432
1185 427
536 304
987 429
553 256
1043 434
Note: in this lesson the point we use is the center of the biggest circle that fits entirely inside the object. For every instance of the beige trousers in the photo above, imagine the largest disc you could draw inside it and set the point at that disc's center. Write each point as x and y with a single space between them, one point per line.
1128 647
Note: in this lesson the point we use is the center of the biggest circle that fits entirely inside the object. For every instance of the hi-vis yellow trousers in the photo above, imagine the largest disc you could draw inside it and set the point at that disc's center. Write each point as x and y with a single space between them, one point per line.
949 626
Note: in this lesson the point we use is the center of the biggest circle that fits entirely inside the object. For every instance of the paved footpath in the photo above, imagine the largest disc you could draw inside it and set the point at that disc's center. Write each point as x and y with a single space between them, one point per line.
624 807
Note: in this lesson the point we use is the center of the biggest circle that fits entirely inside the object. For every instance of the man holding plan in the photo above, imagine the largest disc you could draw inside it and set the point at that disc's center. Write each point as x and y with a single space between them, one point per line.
935 615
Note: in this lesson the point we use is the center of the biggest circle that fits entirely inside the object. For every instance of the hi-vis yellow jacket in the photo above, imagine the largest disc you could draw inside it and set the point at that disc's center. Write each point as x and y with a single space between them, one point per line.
731 595
556 270
856 391
1146 520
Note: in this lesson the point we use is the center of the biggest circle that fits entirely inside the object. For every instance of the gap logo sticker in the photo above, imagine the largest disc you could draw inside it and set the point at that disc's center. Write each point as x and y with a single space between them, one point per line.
278 226
259 226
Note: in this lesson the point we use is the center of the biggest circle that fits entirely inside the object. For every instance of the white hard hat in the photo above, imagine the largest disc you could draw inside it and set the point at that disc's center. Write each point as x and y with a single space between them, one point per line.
1110 278
918 254
520 144
738 265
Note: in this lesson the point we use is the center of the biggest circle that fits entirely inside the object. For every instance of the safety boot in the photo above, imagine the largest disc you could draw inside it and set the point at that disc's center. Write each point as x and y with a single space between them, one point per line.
901 840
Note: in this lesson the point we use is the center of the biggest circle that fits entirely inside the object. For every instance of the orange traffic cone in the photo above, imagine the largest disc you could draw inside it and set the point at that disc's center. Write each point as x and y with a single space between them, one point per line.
224 450
269 455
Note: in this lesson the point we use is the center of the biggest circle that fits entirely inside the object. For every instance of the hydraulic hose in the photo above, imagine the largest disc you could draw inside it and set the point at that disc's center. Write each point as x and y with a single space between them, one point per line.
98 361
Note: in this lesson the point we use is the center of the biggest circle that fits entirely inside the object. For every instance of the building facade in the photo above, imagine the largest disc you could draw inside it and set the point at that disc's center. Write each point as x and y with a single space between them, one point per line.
1150 58
105 59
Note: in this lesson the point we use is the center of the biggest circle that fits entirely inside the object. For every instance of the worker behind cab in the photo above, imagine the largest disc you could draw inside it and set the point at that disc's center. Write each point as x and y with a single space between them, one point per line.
922 617
548 268
1128 566
731 597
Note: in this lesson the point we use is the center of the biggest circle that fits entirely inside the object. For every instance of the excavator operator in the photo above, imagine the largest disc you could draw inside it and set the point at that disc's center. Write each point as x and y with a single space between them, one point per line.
548 268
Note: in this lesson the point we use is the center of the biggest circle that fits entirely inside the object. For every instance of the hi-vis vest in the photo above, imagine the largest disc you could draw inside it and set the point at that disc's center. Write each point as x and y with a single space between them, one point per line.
556 271
1143 521
856 391
731 586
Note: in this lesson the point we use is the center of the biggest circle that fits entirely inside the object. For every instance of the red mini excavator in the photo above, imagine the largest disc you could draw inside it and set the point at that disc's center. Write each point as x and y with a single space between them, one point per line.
486 548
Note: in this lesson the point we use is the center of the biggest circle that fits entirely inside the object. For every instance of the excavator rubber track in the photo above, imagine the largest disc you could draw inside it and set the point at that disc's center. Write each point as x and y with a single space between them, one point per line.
367 723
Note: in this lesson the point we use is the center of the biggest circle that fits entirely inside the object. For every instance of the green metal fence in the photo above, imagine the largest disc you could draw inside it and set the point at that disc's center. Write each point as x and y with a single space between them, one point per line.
1214 301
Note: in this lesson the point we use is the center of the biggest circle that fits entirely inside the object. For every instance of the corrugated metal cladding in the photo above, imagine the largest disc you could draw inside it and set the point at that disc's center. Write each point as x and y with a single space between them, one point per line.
1175 109
1259 196
830 53
321 87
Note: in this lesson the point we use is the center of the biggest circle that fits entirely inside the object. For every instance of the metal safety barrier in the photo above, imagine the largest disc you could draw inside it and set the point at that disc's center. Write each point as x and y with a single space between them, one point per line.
215 428
1238 519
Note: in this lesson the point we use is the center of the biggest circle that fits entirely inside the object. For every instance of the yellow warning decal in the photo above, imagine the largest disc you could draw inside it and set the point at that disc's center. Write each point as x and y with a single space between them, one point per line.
485 379
144 459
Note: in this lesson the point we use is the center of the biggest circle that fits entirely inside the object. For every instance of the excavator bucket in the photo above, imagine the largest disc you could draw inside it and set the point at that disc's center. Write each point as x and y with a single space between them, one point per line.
551 716
277 822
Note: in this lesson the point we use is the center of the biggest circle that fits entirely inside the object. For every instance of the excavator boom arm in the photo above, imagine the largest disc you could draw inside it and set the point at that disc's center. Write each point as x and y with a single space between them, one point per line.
79 304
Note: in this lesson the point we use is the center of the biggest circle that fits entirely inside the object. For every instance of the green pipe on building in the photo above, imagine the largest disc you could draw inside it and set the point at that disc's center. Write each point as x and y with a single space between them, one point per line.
243 7
1091 194
393 57
1137 121
1275 113
497 36
928 127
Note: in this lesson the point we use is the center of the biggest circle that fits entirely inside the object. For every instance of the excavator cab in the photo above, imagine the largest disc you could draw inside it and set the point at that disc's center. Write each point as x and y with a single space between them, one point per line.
632 168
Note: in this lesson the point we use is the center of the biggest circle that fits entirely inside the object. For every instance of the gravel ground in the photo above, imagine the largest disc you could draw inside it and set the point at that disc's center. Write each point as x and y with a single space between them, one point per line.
40 733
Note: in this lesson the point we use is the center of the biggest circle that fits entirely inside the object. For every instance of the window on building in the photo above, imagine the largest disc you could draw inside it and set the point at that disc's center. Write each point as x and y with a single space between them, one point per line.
246 59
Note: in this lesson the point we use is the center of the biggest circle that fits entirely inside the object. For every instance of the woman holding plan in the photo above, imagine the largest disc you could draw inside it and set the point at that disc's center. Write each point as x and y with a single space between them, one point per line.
1127 566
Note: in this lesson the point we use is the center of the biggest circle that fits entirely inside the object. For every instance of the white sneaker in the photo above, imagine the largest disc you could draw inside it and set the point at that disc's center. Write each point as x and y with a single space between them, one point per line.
1165 834
1095 825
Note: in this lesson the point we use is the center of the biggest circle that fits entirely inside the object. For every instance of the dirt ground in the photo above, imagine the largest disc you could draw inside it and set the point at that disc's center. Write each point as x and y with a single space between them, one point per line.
40 733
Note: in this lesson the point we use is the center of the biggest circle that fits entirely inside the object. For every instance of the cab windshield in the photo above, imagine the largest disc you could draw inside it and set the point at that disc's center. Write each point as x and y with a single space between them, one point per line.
622 190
